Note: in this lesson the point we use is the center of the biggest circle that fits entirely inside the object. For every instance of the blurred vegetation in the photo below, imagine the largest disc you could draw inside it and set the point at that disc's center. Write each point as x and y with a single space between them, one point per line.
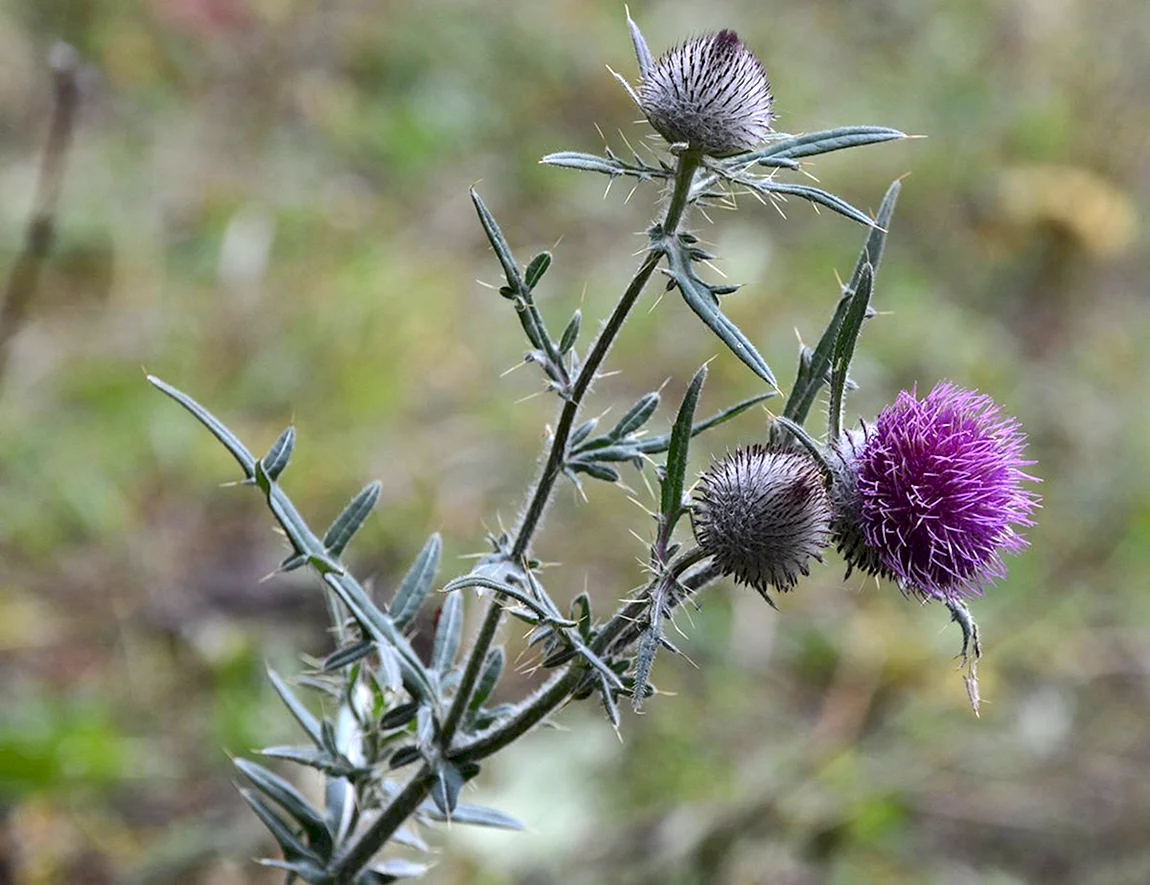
267 205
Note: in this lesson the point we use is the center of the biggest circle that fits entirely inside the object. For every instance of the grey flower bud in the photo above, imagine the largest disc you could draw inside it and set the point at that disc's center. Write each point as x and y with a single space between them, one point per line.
710 93
762 516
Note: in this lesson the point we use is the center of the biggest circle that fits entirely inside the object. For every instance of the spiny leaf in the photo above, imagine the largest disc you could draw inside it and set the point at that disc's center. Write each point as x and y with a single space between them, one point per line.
498 243
827 140
815 368
488 677
845 348
674 475
276 460
336 538
218 430
638 415
812 194
448 633
657 444
302 715
536 268
416 584
475 815
291 801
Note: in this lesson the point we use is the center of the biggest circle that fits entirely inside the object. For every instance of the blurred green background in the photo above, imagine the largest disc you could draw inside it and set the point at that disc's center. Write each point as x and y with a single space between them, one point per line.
267 206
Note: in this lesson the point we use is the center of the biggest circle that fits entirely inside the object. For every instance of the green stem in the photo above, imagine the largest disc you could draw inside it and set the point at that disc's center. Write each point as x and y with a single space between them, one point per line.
471 673
529 524
556 692
401 807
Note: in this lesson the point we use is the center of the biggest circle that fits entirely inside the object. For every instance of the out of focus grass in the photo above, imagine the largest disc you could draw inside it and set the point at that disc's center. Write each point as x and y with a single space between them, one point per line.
267 206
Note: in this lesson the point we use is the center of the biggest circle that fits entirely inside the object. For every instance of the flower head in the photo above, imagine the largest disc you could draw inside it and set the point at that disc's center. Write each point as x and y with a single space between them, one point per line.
932 494
710 93
762 516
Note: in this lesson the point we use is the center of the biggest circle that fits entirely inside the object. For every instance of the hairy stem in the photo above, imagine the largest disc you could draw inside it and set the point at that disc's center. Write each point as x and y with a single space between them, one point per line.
556 692
398 810
529 524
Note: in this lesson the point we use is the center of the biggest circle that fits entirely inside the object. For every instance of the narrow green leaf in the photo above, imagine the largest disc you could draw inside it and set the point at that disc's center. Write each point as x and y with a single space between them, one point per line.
448 633
404 756
475 580
302 715
845 348
598 471
571 333
657 444
597 662
341 531
395 868
218 430
813 195
276 460
498 243
536 268
416 584
608 697
310 871
705 308
488 677
445 786
291 801
475 815
675 474
816 368
348 655
581 614
291 846
616 454
582 431
638 415
644 660
828 140
397 717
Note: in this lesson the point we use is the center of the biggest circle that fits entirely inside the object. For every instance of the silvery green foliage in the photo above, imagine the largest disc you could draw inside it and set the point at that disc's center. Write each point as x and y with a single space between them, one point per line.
400 735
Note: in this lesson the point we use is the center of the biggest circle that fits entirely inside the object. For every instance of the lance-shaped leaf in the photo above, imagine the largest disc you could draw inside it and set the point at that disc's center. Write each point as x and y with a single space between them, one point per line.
493 665
636 416
657 444
416 584
571 333
815 366
336 538
797 146
346 656
536 268
448 633
289 843
237 449
292 802
446 783
705 303
609 164
539 608
675 472
302 714
806 192
499 244
276 460
845 349
474 815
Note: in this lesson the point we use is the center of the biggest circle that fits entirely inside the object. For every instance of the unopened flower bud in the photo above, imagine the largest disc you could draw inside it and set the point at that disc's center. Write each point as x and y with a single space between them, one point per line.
710 93
762 516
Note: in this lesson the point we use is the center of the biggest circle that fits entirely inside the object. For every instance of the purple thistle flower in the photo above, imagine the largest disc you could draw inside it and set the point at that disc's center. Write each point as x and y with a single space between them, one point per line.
710 93
762 516
932 495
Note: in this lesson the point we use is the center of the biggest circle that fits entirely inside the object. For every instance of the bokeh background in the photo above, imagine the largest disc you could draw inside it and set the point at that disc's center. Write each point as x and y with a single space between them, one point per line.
266 205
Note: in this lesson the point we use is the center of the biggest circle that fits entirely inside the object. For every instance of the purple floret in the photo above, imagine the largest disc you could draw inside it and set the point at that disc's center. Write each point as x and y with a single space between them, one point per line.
939 492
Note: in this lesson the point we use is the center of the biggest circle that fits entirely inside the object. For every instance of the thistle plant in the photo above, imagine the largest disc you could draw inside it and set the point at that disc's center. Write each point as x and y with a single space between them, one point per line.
397 736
